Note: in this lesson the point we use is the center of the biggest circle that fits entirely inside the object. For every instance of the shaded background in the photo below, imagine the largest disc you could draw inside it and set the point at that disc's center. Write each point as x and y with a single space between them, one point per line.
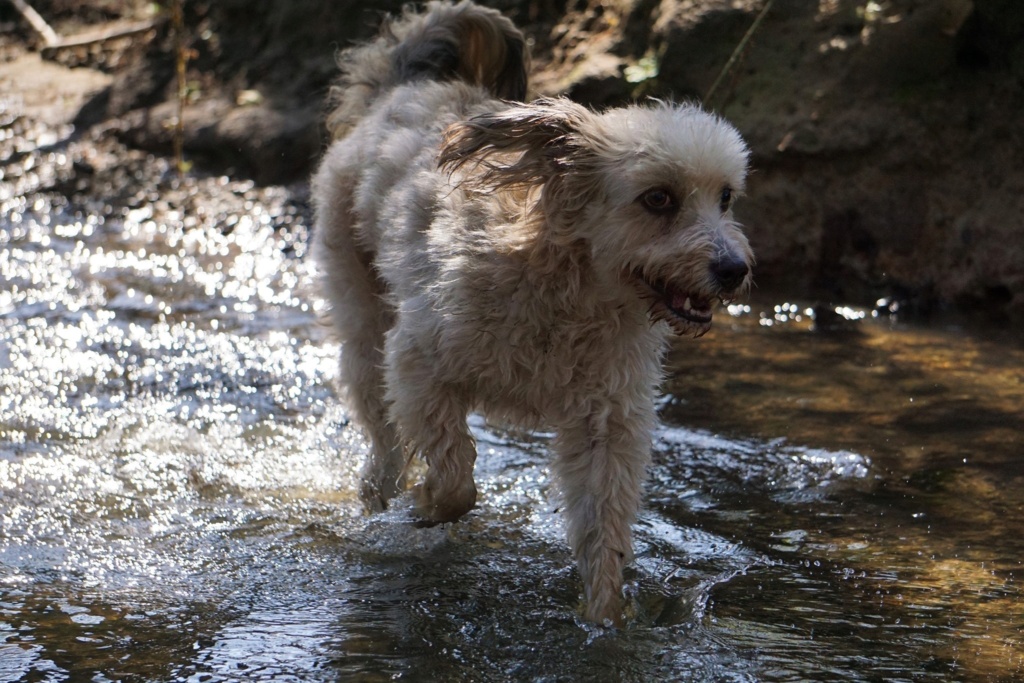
887 135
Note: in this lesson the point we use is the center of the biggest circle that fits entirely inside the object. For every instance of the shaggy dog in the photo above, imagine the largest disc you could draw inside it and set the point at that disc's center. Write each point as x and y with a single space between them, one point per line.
528 261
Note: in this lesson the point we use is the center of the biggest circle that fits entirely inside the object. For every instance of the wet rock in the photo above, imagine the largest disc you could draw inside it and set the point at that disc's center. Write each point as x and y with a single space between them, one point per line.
596 80
260 141
273 145
45 91
144 83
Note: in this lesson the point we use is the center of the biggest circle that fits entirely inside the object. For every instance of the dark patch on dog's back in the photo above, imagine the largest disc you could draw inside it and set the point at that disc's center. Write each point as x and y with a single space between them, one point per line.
451 41
427 60
475 49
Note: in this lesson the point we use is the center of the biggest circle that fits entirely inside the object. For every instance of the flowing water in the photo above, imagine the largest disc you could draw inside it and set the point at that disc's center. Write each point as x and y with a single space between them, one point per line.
835 495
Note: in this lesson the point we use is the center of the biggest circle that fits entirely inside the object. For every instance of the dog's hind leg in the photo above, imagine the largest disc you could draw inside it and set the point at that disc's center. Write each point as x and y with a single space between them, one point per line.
361 317
361 361
600 464
431 417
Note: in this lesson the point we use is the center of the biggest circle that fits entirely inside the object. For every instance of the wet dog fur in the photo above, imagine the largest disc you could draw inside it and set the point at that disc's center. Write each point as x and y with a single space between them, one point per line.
528 261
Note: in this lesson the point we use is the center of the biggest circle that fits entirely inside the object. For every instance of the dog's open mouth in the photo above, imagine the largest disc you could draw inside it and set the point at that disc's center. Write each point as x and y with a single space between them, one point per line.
686 312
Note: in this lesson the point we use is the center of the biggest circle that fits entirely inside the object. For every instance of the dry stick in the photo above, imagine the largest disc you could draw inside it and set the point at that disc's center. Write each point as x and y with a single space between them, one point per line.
40 25
181 59
739 50
103 36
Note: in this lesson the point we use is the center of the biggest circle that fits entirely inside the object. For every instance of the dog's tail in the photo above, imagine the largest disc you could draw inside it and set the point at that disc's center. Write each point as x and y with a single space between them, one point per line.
447 41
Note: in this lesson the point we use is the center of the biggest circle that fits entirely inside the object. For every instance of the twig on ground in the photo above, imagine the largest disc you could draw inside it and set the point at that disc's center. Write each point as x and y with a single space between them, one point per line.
181 62
738 51
103 36
40 26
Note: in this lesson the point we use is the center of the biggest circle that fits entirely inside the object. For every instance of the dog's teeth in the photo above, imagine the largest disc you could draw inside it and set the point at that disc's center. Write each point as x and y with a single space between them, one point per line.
687 306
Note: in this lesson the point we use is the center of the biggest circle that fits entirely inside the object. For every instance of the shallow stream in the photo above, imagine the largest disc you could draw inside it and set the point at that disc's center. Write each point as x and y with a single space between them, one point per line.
836 495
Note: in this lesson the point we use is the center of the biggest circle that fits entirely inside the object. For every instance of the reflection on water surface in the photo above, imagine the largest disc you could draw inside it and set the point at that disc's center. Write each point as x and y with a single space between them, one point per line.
177 483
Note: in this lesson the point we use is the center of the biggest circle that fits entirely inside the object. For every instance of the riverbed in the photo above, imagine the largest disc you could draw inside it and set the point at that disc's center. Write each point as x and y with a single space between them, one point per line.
836 493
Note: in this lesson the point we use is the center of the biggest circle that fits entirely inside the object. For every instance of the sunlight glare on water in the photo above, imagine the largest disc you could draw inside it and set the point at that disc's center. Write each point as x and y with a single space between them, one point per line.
178 477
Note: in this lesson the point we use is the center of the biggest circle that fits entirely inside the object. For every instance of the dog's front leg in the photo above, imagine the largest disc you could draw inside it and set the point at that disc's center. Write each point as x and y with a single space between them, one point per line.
448 490
600 463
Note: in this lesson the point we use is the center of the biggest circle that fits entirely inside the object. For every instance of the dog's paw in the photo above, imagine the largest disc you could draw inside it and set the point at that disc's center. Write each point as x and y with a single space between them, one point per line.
373 498
436 506
609 616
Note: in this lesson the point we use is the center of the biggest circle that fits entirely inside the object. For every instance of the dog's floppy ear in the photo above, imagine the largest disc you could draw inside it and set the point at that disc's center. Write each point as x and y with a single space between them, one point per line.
523 145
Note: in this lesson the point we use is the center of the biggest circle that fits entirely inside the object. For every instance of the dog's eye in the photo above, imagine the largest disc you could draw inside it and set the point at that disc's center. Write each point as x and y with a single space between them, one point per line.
658 201
725 201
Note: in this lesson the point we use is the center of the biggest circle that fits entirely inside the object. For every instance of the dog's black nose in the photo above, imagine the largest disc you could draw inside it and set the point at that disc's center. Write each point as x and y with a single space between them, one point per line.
730 272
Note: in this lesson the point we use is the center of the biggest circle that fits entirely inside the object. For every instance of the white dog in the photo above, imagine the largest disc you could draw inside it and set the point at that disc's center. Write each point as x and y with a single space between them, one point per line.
525 260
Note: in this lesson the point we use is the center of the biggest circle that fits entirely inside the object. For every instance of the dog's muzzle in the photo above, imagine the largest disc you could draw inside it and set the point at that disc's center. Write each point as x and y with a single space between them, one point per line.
689 312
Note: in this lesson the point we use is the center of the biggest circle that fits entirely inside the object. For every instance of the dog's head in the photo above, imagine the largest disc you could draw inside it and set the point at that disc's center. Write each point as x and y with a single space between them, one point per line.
647 191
